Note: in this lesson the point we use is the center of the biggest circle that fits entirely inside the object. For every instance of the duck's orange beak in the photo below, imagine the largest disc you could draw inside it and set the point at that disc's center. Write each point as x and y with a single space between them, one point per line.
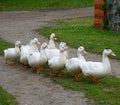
55 38
112 53
84 52
37 42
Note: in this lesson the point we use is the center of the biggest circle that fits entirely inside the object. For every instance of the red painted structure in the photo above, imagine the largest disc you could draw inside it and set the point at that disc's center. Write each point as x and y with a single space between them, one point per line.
99 14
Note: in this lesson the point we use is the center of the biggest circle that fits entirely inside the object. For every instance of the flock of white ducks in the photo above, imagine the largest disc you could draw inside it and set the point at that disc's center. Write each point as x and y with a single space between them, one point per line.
58 59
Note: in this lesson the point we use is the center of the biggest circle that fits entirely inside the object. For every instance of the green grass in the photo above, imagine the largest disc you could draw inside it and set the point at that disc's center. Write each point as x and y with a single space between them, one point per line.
6 98
4 45
80 31
12 5
105 93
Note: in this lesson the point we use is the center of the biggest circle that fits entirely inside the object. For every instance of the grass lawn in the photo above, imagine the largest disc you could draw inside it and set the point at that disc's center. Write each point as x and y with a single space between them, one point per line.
6 98
105 93
80 31
13 5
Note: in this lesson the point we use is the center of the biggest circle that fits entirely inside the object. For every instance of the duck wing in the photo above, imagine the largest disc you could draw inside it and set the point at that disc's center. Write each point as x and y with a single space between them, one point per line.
72 64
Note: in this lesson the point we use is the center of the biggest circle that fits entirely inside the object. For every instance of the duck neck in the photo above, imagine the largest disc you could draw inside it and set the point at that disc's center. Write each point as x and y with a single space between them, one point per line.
17 47
80 56
106 62
34 48
62 57
51 44
42 52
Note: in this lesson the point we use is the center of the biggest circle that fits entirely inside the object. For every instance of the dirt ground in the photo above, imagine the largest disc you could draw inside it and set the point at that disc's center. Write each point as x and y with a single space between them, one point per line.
30 88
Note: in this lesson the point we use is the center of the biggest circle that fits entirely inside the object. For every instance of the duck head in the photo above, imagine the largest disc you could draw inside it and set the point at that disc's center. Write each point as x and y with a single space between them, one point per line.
44 45
34 41
81 50
63 46
17 43
108 51
53 37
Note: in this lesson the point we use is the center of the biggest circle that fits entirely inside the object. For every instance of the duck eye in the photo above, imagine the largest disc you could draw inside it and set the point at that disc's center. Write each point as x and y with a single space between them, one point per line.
80 48
108 49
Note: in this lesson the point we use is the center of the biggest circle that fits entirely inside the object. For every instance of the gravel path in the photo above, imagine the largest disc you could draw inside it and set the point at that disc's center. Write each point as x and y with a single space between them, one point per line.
28 87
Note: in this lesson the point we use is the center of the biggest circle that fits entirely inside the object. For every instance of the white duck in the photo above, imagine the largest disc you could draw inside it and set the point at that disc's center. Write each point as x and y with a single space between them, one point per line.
52 51
51 44
97 70
26 49
72 64
12 53
55 52
57 63
37 59
34 45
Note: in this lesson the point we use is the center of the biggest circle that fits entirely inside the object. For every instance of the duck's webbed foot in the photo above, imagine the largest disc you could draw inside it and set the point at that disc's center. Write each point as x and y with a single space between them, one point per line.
6 62
51 73
77 76
96 81
38 70
59 74
24 67
15 64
